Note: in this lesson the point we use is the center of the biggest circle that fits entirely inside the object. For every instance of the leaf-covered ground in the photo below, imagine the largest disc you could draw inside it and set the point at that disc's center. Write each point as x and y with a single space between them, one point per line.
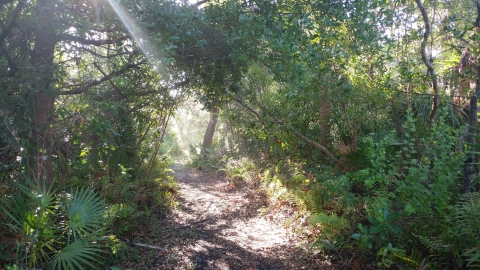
219 225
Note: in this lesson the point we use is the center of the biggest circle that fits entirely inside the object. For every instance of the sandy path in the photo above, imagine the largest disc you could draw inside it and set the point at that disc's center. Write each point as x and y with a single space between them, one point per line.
222 226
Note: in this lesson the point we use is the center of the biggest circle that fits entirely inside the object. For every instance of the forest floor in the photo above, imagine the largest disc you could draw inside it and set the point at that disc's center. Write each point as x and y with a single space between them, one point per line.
220 225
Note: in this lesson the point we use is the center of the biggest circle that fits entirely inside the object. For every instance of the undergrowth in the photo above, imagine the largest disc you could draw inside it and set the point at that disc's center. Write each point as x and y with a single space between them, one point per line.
401 208
83 225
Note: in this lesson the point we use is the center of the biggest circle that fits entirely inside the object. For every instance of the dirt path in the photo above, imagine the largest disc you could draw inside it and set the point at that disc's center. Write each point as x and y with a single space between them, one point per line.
223 226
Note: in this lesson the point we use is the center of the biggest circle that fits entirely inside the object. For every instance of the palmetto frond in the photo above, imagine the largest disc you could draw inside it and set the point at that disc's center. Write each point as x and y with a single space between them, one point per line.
85 213
354 154
75 256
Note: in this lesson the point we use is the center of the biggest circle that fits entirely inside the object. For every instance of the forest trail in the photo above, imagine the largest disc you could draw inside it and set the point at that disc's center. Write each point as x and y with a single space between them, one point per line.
218 225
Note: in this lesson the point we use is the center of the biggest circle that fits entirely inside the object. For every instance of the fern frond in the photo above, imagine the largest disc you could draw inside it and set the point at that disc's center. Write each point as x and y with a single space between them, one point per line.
467 224
115 211
473 257
432 245
415 260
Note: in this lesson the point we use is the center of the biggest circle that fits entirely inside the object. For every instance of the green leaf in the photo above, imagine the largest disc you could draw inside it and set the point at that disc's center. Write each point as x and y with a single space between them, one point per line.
376 228
385 211
356 236
75 256
394 229
85 211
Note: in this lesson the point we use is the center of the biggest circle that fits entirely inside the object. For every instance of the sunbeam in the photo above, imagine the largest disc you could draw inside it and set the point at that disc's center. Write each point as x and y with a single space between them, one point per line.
138 34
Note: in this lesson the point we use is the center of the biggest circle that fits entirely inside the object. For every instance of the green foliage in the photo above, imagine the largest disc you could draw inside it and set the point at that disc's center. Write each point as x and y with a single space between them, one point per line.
84 212
331 225
56 229
243 169
76 255
382 227
346 76
459 239
135 199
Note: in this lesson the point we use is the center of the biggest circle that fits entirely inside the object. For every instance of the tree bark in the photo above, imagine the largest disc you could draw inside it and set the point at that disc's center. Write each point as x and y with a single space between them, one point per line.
427 61
208 137
44 98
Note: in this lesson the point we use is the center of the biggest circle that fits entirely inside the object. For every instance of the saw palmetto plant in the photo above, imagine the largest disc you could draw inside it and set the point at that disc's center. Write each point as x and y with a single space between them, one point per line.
55 230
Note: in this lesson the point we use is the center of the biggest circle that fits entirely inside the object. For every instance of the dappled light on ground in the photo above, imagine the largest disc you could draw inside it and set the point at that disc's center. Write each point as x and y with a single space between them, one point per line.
219 225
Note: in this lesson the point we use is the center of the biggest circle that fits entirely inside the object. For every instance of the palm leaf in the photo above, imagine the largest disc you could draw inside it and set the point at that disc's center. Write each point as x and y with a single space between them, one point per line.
76 255
85 212
17 213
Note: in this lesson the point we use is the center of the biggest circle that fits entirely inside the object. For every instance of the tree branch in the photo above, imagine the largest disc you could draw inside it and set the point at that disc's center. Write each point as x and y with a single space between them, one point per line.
477 21
428 64
84 87
252 110
95 42
83 48
290 128
199 3
13 19
109 80
148 246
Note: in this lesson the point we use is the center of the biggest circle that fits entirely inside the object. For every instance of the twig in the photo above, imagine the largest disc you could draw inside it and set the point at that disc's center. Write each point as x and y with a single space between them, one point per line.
149 246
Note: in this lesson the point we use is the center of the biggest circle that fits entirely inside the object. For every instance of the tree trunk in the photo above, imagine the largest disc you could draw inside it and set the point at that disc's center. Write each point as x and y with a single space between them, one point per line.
208 137
472 123
44 98
427 61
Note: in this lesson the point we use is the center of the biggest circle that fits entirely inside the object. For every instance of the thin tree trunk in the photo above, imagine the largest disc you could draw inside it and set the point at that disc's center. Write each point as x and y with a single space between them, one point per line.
427 61
208 137
44 98
472 123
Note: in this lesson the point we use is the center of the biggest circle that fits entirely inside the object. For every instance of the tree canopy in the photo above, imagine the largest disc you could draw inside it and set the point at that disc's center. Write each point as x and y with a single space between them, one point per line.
375 101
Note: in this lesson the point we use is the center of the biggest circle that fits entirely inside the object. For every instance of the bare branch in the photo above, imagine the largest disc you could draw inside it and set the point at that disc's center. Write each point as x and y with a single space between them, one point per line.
289 128
148 246
252 110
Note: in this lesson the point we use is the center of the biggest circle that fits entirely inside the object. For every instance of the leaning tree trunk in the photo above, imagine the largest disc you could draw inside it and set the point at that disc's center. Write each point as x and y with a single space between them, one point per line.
208 137
44 98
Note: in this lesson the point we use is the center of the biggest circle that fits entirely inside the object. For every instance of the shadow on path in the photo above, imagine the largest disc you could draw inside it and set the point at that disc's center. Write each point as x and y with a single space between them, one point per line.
221 226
